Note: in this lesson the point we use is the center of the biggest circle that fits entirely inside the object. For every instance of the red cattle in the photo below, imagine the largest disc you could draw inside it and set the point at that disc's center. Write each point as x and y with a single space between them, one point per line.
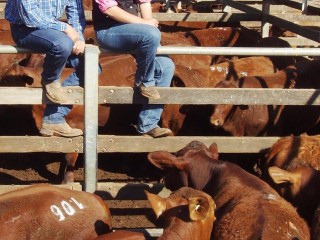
31 77
47 212
254 120
299 185
304 147
194 120
247 207
210 37
291 167
187 214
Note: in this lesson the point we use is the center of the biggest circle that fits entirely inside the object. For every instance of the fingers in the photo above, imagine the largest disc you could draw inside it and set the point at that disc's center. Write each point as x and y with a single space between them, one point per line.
78 48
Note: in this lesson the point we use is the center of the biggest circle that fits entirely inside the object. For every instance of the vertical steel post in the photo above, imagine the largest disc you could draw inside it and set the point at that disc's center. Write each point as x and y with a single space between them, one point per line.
304 7
90 117
265 26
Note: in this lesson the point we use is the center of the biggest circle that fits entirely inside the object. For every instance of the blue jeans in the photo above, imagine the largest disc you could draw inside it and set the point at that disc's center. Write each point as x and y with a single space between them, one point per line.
58 49
152 69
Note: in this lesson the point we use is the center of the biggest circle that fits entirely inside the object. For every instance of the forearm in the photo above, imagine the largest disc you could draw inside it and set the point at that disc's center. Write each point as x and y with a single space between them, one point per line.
76 18
146 10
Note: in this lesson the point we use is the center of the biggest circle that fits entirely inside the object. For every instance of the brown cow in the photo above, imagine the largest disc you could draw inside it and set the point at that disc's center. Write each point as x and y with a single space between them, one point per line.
291 167
45 211
304 147
255 120
187 214
178 117
247 207
299 185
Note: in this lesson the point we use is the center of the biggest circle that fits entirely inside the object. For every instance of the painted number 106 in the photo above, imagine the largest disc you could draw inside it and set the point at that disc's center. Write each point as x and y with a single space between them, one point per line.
65 208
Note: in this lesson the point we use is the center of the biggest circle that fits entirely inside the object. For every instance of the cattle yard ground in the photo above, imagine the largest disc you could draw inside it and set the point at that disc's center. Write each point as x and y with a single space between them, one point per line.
119 173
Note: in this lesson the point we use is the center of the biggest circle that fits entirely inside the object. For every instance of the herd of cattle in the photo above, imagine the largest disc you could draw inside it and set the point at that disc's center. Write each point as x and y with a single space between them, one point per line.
211 198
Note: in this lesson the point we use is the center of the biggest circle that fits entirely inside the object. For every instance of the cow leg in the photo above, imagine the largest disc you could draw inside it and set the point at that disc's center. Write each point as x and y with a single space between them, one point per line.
68 170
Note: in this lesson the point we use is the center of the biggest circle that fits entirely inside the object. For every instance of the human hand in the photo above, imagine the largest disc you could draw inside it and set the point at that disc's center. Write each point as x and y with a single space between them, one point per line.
78 47
151 21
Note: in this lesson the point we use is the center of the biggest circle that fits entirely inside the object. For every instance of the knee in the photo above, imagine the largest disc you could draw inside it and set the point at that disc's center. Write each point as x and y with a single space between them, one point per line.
170 66
166 64
154 35
62 47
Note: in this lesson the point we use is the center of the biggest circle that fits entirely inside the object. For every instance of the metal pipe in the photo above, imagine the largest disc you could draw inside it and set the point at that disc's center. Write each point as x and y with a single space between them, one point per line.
91 118
234 51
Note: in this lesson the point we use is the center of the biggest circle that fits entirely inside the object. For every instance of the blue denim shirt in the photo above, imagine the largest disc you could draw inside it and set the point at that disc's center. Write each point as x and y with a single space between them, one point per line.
44 14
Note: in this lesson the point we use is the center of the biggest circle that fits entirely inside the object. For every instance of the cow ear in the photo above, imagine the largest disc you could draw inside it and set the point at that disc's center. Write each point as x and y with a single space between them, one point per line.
158 204
198 208
162 159
214 150
279 175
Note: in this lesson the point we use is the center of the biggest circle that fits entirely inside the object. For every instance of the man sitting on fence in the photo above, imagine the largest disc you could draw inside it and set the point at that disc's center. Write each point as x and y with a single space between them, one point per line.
35 25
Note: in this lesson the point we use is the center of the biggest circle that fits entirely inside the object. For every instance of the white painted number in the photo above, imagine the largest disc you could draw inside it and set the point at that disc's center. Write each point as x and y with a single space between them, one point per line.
67 208
58 212
80 205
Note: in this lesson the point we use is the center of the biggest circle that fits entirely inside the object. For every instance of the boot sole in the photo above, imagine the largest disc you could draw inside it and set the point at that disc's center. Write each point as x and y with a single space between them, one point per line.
50 133
149 96
53 100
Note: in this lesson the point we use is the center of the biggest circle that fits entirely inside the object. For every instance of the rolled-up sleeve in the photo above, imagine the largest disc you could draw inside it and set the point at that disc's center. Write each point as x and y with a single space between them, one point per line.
76 17
106 4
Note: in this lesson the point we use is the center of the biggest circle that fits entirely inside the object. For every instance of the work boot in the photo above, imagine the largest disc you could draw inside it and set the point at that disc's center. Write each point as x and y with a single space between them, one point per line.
149 92
60 129
159 132
54 91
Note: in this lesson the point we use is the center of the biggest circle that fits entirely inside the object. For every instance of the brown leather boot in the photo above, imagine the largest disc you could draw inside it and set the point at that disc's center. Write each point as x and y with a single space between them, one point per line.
54 91
60 129
159 132
149 92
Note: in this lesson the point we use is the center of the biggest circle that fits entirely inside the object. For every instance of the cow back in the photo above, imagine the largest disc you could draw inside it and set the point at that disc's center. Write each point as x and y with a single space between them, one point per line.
45 211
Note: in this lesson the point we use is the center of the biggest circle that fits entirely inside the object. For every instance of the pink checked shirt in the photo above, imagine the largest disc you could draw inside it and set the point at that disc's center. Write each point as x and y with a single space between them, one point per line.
105 4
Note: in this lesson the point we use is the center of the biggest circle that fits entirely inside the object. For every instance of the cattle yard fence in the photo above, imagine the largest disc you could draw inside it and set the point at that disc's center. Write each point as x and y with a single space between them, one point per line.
92 95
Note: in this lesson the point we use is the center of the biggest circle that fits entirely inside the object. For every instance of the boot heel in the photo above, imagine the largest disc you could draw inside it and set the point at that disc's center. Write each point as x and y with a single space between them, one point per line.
46 132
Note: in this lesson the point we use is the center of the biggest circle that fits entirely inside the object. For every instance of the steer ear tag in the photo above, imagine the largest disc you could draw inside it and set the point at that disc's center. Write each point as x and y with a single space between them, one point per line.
198 208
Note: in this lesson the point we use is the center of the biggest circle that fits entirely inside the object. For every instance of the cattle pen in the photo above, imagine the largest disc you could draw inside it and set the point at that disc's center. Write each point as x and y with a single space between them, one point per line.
92 144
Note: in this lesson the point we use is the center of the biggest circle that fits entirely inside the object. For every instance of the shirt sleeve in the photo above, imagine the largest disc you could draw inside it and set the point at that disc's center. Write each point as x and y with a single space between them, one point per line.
106 4
32 16
76 17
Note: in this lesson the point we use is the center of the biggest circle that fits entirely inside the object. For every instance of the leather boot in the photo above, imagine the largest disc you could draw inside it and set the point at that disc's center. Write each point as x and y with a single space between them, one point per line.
54 91
148 92
60 129
159 132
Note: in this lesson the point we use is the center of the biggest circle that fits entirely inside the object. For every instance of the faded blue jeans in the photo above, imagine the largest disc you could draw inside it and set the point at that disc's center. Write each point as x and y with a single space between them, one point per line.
58 49
152 69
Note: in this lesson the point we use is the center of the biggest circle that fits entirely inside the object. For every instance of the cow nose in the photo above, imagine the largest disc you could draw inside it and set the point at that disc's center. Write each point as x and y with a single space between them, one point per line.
215 122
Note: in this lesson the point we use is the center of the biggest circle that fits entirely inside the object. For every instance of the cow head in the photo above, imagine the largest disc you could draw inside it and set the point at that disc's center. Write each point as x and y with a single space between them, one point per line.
222 112
185 164
185 212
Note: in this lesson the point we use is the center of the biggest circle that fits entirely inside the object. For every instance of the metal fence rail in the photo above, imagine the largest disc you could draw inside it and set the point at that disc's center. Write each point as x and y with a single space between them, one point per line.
92 95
